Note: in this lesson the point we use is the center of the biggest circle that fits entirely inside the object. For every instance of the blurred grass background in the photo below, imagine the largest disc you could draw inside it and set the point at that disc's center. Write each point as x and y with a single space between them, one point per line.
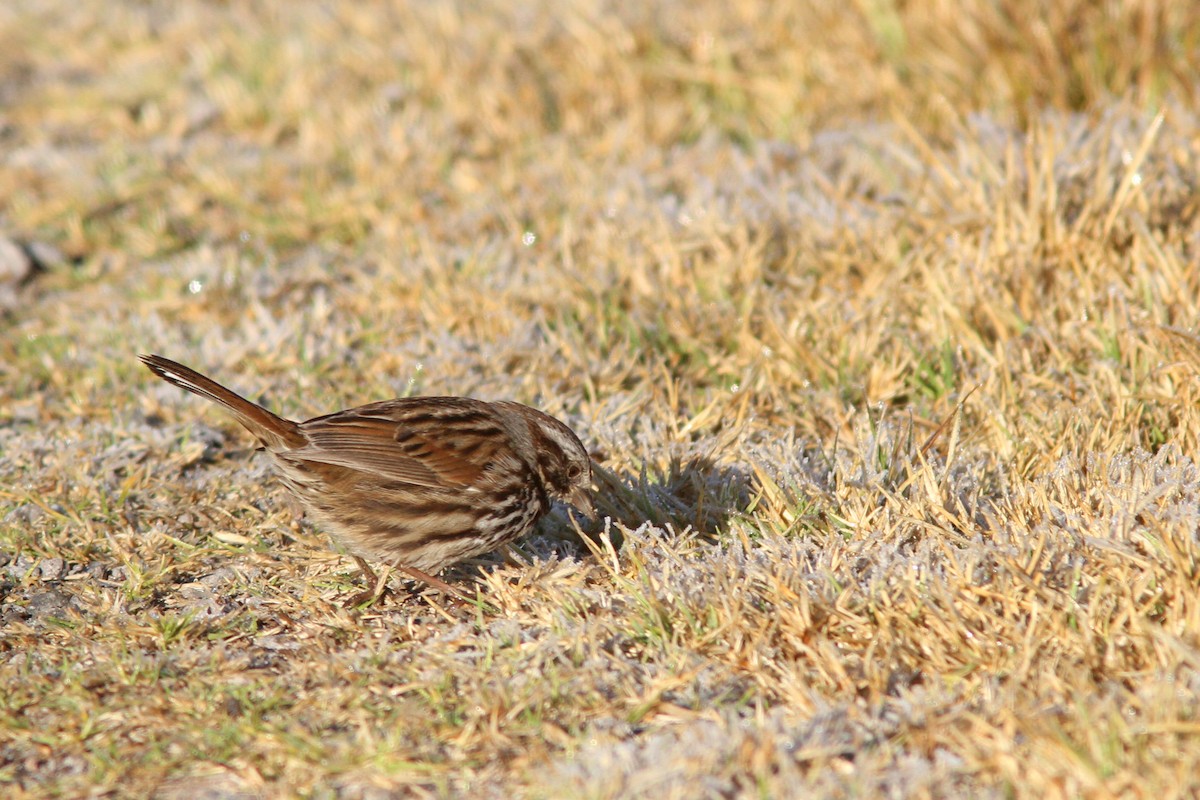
880 317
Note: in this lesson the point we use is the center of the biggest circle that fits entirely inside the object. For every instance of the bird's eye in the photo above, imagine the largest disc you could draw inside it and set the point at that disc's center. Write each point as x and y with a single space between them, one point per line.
574 471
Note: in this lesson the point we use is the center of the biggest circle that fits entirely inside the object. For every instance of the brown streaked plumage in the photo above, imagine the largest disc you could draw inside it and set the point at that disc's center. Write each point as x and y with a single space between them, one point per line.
418 483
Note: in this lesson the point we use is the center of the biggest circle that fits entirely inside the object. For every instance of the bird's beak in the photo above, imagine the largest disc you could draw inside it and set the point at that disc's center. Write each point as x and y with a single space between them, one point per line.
581 499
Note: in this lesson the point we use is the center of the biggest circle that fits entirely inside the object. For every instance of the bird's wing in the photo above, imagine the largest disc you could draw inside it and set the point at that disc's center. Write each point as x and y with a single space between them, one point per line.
436 457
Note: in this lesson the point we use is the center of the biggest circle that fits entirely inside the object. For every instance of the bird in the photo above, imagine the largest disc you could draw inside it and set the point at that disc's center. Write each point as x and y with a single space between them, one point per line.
417 483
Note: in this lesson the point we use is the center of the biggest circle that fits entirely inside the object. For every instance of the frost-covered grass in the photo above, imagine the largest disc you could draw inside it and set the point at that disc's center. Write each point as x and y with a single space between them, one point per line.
880 320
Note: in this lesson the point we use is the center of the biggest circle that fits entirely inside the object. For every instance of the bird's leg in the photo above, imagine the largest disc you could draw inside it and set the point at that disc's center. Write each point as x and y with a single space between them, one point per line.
436 583
379 582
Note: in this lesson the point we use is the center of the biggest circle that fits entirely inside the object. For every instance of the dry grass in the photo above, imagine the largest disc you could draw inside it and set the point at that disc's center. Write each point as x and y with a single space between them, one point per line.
880 317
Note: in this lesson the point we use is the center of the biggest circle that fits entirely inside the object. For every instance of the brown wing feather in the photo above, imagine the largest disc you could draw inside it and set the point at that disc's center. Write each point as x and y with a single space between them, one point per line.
392 450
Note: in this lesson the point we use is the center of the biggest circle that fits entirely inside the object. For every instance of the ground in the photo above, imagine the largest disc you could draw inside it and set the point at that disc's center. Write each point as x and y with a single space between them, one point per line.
879 319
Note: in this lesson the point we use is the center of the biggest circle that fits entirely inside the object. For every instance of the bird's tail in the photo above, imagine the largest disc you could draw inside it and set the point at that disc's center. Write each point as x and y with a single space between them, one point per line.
275 432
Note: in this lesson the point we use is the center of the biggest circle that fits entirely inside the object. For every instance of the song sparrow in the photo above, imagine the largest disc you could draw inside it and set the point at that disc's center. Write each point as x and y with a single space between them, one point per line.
418 483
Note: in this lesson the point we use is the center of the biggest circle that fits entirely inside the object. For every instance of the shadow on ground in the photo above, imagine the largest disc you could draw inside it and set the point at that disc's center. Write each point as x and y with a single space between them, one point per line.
692 495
